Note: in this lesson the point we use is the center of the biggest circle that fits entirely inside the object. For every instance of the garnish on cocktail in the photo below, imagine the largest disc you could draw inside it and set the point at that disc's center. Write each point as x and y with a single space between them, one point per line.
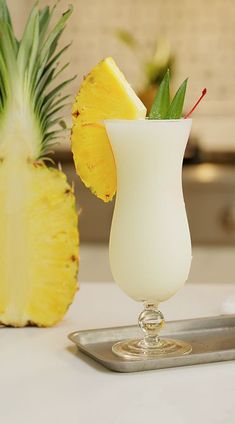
106 94
164 108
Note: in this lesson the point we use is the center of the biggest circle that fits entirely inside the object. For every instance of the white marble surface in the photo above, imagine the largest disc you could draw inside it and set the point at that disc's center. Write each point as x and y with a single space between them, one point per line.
44 379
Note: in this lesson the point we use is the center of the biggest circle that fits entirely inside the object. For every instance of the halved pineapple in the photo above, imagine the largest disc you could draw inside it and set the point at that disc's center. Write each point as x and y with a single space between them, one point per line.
38 220
104 94
39 245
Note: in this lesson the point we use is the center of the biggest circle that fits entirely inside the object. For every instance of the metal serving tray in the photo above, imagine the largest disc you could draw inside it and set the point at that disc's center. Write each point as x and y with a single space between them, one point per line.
212 340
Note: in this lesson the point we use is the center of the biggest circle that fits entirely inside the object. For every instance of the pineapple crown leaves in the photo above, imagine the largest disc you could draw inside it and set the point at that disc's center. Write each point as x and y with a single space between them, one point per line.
162 108
31 65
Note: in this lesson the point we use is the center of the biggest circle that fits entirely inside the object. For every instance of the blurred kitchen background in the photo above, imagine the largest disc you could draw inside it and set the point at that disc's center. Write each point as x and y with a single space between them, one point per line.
196 40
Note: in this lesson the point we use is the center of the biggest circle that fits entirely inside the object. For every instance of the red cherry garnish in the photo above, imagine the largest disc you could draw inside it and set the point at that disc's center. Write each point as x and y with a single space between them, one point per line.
204 91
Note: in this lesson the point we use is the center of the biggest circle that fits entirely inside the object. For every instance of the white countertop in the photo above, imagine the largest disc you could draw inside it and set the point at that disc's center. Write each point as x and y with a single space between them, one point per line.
45 380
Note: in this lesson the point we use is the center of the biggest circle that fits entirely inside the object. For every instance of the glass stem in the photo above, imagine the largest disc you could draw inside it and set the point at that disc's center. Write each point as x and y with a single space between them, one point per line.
151 321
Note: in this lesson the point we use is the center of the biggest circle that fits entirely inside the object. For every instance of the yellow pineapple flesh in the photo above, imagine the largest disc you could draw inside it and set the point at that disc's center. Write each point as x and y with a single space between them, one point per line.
39 245
38 219
104 94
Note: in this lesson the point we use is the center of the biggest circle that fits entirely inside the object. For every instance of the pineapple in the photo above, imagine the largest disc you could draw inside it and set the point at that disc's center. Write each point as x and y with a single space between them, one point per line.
104 94
38 234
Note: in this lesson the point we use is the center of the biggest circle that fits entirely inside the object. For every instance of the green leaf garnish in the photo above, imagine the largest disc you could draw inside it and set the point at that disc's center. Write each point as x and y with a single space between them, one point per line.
162 108
161 103
176 107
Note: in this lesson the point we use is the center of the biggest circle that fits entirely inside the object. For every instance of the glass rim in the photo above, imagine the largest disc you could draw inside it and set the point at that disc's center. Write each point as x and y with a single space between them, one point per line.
142 120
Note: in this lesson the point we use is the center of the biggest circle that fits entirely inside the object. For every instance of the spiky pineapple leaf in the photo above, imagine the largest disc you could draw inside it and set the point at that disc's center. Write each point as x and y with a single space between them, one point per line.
29 68
35 46
28 43
4 13
47 77
8 51
48 101
6 17
50 44
7 43
3 82
161 102
162 108
176 107
44 20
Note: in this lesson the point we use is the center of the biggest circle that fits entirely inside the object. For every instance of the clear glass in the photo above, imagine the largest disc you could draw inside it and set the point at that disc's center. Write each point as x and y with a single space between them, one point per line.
150 246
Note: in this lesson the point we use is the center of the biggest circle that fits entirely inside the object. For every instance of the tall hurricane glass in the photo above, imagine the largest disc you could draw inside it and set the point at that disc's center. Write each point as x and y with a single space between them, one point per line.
150 246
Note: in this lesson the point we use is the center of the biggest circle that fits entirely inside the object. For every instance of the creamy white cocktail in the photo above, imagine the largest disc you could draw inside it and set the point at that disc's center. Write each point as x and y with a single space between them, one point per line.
150 246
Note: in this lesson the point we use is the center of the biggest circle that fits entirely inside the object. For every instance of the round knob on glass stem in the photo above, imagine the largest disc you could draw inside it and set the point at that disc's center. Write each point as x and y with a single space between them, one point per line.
151 321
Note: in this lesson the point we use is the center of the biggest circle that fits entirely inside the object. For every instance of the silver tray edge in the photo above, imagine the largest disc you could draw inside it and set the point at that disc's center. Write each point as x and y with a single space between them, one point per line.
120 365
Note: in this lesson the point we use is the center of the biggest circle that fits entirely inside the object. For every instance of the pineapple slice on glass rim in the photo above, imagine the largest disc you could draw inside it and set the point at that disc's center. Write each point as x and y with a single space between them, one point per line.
38 218
104 94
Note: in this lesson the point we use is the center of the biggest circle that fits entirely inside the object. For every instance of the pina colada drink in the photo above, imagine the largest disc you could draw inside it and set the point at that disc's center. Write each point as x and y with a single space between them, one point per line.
150 247
141 161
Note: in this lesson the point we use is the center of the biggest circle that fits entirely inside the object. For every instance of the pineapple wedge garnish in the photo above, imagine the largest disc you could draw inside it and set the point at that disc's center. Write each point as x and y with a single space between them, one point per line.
104 94
38 220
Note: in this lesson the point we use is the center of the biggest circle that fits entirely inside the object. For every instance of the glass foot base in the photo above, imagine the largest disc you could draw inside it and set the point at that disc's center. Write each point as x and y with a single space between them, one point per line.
137 349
